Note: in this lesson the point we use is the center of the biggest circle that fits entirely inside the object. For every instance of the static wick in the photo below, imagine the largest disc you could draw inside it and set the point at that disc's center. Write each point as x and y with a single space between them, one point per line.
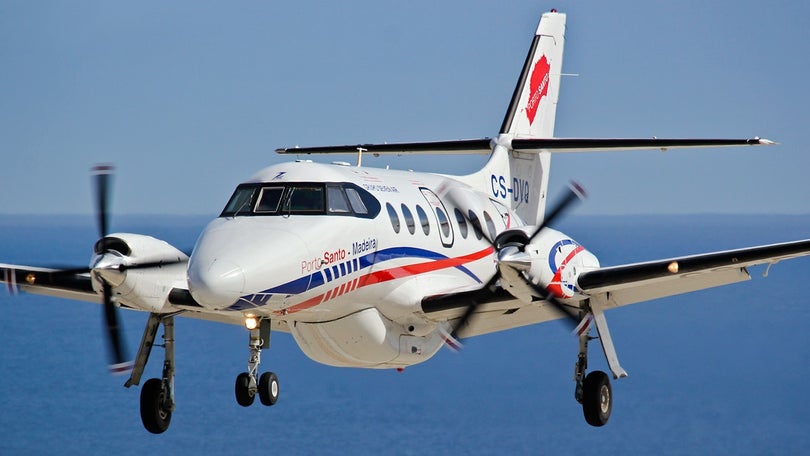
673 267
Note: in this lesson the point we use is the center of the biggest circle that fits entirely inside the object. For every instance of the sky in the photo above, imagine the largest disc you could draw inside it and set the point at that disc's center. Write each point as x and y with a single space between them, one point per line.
188 98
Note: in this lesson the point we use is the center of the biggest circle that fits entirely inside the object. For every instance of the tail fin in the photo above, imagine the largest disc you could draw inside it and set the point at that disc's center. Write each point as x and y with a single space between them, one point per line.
521 179
533 107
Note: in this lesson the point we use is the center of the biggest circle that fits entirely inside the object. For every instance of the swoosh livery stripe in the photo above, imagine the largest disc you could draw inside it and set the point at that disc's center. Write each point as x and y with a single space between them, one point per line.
297 286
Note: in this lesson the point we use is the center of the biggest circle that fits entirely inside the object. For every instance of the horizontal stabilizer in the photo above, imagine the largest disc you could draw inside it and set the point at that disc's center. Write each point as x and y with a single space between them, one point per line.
555 145
461 146
559 145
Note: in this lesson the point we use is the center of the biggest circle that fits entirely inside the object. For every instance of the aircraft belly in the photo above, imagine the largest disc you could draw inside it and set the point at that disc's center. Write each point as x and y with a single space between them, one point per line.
364 339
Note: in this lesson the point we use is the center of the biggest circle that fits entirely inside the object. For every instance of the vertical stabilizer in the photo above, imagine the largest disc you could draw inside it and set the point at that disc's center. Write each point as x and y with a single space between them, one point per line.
534 103
521 179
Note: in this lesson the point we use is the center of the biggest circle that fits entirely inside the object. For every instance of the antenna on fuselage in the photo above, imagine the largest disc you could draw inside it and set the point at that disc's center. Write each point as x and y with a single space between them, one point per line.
360 151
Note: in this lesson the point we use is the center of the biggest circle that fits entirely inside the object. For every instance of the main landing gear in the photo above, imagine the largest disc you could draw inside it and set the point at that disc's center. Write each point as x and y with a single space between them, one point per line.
593 390
157 394
247 383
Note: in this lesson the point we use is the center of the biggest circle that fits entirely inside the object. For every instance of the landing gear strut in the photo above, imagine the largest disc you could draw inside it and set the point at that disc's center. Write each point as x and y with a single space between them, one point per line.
157 394
248 383
592 391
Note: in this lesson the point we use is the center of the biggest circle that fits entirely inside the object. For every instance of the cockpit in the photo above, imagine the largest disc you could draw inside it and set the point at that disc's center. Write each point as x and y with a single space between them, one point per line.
301 198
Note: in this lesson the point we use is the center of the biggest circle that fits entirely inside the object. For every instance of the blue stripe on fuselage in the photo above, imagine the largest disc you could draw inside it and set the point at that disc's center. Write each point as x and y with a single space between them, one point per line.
316 279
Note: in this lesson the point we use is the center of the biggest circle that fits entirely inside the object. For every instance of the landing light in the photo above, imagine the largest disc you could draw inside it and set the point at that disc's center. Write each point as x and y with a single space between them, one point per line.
251 322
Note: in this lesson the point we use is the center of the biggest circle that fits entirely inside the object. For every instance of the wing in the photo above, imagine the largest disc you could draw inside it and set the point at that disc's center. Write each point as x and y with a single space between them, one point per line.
45 281
632 283
497 310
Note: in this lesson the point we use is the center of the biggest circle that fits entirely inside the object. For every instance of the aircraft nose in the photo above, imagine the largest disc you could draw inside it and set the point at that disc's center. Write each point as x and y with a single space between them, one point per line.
216 284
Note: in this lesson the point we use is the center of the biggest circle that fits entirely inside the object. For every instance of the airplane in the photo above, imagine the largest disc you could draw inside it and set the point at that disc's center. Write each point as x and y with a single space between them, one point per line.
379 268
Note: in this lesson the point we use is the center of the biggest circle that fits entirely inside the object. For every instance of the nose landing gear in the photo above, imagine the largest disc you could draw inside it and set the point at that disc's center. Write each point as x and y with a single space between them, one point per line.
248 383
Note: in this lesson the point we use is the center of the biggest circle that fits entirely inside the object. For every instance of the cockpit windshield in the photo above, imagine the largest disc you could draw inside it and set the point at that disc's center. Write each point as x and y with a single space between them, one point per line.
301 199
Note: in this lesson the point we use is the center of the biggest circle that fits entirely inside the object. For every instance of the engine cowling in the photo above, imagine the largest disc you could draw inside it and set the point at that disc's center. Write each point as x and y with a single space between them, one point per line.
552 261
117 259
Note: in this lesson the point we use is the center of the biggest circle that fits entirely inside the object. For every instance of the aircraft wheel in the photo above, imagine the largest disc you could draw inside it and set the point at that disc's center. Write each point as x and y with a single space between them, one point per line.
597 399
154 416
268 388
242 389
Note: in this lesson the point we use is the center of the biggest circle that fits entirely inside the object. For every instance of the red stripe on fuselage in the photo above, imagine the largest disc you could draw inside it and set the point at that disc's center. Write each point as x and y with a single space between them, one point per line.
392 274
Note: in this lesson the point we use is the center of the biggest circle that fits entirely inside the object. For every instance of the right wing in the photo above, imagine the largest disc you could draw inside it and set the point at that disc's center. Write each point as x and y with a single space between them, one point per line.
46 281
615 286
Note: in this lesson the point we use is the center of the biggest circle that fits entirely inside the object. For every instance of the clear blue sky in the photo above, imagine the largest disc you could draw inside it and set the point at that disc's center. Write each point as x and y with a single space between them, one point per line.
188 98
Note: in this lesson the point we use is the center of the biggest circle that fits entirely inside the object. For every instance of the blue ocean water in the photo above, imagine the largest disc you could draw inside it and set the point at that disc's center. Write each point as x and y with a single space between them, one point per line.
721 371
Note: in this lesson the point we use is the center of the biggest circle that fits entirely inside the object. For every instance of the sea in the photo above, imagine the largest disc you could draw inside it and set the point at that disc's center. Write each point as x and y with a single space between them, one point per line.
720 371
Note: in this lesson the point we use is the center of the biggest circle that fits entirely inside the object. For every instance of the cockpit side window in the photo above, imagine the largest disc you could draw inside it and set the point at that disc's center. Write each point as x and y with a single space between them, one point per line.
336 201
356 201
241 202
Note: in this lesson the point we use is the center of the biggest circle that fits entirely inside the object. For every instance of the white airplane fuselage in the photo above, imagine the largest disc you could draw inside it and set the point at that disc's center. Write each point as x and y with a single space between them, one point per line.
350 285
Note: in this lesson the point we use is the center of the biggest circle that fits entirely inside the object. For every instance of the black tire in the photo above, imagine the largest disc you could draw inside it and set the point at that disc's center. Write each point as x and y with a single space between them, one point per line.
242 389
154 416
268 388
597 398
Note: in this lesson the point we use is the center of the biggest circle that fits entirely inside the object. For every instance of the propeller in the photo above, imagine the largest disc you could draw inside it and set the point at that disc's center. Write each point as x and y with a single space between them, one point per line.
119 360
107 266
574 193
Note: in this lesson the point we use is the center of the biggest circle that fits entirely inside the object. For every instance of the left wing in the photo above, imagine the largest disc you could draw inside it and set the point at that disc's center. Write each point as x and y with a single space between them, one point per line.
497 310
632 283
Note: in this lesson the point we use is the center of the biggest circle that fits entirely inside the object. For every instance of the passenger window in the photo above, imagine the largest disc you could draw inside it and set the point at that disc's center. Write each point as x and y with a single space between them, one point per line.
335 201
306 199
444 222
409 222
423 219
357 203
269 199
476 225
392 215
462 222
490 225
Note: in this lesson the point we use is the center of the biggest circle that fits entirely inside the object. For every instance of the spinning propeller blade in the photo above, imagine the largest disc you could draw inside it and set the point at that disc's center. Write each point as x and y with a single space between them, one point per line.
575 192
119 360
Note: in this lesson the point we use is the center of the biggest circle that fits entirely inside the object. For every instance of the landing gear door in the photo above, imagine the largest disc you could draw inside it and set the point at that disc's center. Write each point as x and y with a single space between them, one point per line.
441 216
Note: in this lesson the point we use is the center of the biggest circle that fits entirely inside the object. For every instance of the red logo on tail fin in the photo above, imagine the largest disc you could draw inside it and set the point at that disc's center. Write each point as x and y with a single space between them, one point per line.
538 87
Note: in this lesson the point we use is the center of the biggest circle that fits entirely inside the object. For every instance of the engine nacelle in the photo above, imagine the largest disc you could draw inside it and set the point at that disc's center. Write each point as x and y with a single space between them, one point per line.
140 288
365 339
553 261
